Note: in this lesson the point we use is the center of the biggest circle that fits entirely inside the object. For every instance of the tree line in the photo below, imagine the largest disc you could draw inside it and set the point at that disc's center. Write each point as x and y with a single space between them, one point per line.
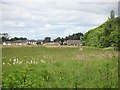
75 36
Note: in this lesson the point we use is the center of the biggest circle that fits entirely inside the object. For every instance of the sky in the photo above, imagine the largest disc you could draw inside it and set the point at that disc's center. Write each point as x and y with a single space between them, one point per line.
37 19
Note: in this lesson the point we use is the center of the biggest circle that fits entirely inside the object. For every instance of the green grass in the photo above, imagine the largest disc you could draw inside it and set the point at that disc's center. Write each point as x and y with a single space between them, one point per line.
59 67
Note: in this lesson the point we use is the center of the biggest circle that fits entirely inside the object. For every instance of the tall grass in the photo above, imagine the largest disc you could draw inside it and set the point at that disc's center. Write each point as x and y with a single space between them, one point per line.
61 67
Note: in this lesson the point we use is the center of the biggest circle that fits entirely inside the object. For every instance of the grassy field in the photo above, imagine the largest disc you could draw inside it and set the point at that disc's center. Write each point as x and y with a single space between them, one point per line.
59 67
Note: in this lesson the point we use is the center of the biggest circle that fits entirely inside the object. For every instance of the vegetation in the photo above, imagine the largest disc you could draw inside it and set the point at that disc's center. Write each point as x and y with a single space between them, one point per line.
4 39
16 38
75 36
47 39
59 67
105 35
112 14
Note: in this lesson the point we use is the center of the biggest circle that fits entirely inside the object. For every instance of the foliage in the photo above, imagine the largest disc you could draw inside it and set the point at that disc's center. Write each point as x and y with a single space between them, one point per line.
59 39
47 39
4 39
19 79
112 14
17 38
75 36
105 35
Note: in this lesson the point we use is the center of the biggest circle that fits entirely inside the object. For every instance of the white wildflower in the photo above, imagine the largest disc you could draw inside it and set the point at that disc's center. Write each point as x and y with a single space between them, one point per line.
3 63
20 62
14 60
36 62
10 60
27 62
52 61
31 61
9 64
42 61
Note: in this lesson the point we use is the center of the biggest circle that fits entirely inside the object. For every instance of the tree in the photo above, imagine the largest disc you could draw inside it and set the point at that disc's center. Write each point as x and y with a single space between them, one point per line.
75 36
4 37
112 14
47 39
16 38
23 38
57 39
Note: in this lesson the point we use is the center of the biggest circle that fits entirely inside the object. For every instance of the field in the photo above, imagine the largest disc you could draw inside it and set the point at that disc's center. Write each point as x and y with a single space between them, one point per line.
59 67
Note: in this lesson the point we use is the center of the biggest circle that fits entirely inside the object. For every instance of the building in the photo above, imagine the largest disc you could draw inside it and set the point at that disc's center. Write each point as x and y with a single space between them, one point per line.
31 42
52 43
72 43
7 43
17 42
23 42
39 42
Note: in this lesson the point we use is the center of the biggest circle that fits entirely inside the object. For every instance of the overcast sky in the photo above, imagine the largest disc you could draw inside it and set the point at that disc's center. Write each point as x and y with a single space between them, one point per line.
36 19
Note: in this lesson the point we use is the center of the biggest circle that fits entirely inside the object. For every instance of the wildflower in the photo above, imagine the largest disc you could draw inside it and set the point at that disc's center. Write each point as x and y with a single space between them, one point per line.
99 68
27 62
10 60
36 62
31 61
52 61
20 62
14 60
42 61
9 64
3 63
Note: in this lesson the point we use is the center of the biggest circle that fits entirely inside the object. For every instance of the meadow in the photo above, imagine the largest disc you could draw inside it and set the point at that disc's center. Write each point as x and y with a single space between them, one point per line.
59 67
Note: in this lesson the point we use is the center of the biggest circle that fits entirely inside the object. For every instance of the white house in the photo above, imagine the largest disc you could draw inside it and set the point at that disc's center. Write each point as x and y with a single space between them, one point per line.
72 42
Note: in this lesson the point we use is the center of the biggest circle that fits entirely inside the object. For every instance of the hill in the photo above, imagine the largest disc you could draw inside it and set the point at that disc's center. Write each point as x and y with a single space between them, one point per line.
105 35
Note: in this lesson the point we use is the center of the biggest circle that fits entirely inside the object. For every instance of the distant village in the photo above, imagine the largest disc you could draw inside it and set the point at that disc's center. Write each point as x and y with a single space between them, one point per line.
68 41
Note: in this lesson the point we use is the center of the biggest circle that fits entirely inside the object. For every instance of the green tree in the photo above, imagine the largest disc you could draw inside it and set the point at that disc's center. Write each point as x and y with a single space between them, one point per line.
112 14
4 39
57 39
105 35
17 38
47 39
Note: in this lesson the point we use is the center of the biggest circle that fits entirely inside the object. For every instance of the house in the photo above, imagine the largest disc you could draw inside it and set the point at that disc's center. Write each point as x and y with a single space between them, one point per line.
23 42
39 42
17 42
52 43
20 42
7 43
72 42
31 42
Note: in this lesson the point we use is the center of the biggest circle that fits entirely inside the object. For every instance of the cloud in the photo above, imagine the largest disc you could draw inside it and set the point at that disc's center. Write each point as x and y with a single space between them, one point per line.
37 19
